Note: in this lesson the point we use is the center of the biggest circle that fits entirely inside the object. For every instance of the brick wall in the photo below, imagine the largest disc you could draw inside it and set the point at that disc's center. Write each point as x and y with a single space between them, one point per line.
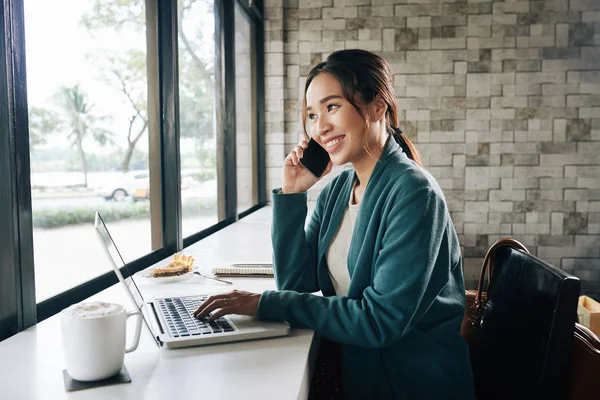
501 98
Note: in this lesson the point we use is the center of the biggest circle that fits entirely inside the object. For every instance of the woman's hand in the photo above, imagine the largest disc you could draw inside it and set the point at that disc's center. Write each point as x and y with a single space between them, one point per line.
236 302
296 178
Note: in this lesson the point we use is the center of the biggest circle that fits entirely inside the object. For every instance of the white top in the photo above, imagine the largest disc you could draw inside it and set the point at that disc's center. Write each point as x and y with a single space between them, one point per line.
31 362
337 253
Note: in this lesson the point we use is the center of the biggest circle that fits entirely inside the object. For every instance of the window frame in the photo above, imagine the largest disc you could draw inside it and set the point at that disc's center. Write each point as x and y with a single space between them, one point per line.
19 310
17 290
253 21
255 14
225 105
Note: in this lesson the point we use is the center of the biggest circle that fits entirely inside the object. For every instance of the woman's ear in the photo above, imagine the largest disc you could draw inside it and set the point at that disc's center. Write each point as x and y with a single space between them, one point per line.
377 109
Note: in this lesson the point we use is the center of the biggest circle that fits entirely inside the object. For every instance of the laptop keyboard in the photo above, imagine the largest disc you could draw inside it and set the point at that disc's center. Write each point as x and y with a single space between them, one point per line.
178 314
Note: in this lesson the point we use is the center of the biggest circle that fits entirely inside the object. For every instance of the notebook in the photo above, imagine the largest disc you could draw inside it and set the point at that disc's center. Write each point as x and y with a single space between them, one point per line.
170 319
245 270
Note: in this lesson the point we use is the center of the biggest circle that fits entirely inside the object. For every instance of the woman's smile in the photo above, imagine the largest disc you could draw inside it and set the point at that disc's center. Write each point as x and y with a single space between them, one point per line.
334 144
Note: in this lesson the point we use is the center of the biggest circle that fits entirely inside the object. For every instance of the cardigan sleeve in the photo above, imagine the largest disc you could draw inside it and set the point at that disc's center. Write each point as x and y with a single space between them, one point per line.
294 248
412 267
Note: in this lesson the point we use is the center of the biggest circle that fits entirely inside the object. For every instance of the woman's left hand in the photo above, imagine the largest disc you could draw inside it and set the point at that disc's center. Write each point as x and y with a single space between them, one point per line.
236 302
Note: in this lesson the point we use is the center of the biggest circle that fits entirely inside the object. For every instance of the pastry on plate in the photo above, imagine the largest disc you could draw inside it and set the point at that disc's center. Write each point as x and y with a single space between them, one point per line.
181 265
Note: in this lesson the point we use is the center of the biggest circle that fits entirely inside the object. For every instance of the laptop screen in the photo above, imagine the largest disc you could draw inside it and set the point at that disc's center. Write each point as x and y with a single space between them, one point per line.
117 261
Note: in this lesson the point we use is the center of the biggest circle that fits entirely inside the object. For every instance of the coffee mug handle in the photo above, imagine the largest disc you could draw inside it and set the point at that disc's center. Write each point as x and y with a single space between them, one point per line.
138 330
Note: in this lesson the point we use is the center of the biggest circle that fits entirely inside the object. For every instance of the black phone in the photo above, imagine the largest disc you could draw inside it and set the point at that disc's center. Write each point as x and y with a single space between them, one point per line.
315 158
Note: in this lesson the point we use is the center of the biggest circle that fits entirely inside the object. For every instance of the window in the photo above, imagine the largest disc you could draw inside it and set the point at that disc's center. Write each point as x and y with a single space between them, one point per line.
88 122
245 112
116 122
198 140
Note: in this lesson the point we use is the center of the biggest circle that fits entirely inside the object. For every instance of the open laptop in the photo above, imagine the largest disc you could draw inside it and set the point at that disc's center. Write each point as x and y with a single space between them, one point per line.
170 319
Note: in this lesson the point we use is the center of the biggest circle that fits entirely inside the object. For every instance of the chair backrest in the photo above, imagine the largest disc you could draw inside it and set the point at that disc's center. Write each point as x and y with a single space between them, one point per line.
525 341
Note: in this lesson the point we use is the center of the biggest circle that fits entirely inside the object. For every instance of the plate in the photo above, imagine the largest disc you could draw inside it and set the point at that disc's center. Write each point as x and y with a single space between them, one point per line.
146 275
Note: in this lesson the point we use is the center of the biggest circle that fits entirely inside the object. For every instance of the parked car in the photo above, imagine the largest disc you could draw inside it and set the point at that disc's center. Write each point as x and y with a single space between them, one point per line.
190 188
141 190
123 187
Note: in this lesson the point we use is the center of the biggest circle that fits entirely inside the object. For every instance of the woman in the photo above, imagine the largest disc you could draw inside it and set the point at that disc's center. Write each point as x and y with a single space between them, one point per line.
380 245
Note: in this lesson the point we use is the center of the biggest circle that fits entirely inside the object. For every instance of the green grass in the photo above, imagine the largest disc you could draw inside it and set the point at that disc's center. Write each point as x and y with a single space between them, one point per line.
58 217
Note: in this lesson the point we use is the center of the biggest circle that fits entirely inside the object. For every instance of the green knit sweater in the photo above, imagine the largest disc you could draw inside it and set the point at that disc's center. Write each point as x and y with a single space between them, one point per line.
399 326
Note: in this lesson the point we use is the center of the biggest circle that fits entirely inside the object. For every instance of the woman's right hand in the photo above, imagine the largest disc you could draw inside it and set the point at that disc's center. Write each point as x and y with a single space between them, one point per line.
296 178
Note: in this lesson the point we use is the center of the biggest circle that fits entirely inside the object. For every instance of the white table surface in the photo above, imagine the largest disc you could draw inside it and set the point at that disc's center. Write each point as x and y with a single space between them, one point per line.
31 362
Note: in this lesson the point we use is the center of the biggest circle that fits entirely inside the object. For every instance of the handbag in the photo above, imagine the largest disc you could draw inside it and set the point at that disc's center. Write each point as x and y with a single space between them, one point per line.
476 299
585 360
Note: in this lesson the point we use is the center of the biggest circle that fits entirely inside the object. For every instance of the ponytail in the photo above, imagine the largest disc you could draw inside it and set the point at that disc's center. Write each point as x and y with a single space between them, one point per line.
407 146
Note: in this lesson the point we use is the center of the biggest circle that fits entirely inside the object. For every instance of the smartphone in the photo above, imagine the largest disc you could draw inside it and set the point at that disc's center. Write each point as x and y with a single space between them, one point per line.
315 158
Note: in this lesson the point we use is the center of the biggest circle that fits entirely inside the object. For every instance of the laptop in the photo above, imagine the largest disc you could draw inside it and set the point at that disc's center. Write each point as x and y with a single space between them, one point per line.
170 319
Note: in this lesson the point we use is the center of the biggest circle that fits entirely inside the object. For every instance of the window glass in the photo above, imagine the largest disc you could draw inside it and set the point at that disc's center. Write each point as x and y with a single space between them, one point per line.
198 144
87 96
245 112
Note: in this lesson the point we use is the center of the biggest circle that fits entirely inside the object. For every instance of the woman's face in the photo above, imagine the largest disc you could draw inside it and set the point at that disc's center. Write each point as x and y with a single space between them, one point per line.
333 122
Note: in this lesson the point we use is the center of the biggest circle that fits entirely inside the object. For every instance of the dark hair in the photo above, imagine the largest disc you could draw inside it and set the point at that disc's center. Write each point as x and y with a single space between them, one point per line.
367 75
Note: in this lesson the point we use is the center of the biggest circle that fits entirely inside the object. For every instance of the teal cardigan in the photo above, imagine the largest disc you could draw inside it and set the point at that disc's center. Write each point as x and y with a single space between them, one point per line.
399 325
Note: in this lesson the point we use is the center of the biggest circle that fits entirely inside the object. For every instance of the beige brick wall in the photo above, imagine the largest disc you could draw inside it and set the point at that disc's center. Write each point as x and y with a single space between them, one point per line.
501 98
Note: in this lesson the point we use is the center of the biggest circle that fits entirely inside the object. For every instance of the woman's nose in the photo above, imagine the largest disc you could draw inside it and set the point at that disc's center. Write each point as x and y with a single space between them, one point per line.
323 125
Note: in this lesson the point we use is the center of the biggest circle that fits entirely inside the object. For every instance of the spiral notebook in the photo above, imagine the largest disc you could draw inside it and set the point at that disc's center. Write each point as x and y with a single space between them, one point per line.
245 270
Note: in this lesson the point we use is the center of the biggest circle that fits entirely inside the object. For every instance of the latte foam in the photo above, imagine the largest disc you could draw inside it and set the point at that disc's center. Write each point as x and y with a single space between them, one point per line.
92 309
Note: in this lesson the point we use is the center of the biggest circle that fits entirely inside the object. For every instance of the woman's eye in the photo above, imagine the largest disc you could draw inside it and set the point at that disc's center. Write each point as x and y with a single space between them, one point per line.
312 116
331 107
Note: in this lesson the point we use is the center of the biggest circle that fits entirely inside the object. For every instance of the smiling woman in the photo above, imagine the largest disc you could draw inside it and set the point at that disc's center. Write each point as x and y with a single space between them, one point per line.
380 246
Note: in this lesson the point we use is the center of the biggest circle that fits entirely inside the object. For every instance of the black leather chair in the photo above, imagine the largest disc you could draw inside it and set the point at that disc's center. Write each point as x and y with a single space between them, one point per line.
523 349
585 367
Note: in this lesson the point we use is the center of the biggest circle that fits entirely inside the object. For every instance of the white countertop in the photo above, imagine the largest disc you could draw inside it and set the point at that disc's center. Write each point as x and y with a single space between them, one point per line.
31 362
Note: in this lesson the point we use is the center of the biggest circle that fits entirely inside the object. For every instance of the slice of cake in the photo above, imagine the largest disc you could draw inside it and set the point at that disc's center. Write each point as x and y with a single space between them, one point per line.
181 265
172 269
188 261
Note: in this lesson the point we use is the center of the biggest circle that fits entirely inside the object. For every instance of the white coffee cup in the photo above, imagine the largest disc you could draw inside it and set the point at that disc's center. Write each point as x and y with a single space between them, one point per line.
93 336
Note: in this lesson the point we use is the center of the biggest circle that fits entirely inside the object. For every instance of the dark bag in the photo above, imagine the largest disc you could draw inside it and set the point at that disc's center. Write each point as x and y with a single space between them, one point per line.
476 299
585 358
